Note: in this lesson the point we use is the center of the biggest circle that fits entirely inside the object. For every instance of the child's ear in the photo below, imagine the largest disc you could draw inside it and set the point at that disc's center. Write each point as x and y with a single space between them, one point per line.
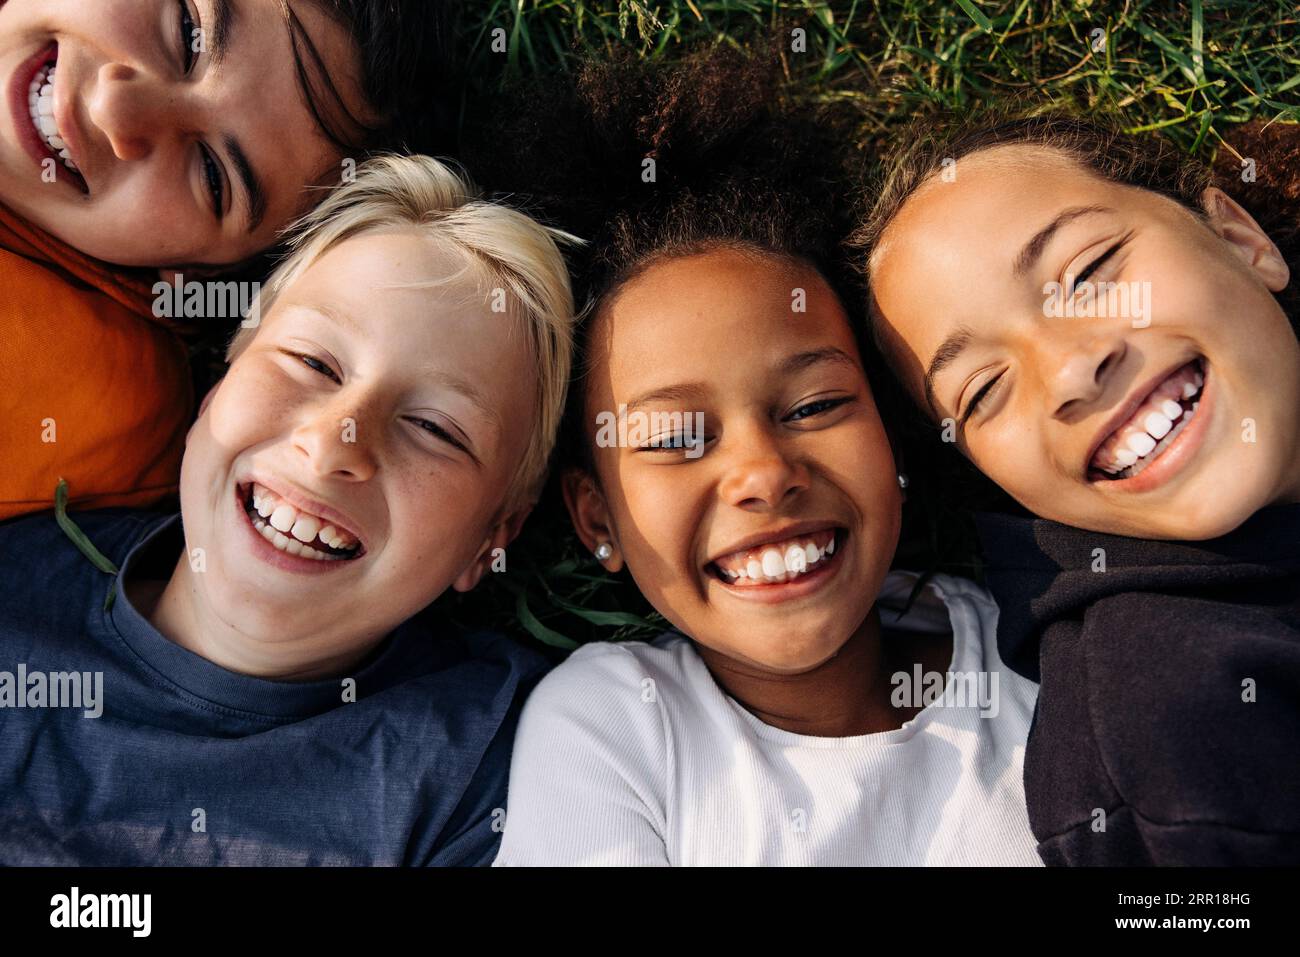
590 516
1240 231
501 534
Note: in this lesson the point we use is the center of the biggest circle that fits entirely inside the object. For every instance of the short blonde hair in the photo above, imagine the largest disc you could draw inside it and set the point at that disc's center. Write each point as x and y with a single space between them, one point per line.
515 253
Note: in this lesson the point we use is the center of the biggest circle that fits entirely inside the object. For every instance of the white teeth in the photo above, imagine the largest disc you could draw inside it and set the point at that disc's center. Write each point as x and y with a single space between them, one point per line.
282 518
830 547
1141 443
773 563
265 507
40 105
305 528
1171 409
1189 390
776 564
1157 425
1125 456
292 545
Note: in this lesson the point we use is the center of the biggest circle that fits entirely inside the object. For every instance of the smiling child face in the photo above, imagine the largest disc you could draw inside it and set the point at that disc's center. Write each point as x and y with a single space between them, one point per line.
181 156
1172 418
794 458
395 417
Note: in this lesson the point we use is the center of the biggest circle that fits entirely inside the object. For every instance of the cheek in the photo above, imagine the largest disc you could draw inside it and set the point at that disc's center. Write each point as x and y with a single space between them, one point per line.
655 520
251 405
438 517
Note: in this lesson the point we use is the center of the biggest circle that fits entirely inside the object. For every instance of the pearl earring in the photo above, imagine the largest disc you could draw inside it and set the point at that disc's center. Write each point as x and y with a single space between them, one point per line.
603 551
902 480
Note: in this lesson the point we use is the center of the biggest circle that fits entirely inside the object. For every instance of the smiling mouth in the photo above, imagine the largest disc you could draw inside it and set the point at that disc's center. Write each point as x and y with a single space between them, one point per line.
40 109
292 530
779 562
1153 427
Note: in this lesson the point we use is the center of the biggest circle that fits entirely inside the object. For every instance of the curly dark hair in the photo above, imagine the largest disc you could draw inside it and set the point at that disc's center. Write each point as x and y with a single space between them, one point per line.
736 163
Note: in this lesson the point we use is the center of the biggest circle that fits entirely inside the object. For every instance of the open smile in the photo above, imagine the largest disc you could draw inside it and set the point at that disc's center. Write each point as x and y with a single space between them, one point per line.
791 564
1155 433
293 538
32 96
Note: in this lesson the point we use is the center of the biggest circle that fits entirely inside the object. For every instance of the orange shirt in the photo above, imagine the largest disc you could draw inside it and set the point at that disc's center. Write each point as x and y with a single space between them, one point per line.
93 388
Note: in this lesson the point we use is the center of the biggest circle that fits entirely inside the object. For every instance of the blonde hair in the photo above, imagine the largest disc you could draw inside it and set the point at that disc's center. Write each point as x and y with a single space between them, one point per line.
514 251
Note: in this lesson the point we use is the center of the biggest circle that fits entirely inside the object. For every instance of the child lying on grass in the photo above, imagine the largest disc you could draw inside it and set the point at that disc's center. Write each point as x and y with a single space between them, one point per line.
1112 341
795 714
272 692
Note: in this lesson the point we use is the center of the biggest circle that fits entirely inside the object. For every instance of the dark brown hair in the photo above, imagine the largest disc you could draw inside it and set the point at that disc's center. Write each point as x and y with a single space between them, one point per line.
737 163
408 75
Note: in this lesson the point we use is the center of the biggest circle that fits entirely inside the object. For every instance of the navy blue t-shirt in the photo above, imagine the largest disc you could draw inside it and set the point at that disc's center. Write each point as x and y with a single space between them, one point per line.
192 764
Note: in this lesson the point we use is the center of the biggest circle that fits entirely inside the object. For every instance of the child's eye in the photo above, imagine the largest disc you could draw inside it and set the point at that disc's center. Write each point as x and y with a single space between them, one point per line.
316 365
439 432
815 408
187 37
667 443
1096 263
212 175
985 391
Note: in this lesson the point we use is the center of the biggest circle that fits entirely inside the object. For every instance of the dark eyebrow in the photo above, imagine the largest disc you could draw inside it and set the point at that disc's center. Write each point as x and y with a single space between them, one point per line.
669 393
254 195
789 366
1033 249
223 21
949 350
803 360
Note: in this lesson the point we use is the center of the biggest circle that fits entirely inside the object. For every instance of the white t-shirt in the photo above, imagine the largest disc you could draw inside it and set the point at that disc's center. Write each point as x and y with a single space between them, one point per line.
630 754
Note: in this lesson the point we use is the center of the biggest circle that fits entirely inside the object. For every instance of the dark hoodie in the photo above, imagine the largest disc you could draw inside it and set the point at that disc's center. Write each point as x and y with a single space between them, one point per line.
1168 721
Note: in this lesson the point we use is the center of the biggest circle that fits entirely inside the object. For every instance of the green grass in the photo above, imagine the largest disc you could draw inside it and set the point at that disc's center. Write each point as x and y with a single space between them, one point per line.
1188 71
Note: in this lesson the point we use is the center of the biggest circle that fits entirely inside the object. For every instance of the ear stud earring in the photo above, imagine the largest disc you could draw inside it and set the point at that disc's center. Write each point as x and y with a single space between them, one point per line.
603 551
902 480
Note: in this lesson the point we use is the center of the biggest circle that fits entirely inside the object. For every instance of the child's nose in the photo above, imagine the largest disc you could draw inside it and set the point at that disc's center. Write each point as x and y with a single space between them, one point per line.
131 109
762 476
336 445
1078 373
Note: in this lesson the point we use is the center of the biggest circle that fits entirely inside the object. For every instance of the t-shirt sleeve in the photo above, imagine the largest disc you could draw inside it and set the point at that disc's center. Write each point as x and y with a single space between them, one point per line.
588 776
472 835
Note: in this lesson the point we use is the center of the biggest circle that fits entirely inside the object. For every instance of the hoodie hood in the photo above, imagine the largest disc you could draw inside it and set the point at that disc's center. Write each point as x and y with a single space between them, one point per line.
1041 572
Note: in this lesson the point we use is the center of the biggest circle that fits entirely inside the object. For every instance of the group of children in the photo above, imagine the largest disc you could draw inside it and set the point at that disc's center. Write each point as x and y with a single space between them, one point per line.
276 688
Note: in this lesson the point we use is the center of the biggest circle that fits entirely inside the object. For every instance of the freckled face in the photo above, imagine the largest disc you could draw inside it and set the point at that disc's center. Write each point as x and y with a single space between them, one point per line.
1054 397
404 411
793 452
